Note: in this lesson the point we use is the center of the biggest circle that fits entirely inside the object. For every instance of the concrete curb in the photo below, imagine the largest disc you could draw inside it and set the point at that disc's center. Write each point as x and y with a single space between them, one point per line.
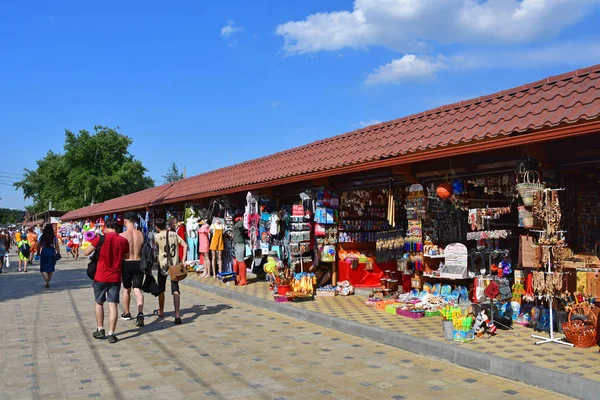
559 382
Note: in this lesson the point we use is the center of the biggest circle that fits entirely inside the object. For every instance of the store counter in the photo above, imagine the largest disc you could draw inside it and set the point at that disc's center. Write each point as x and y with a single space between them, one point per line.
359 277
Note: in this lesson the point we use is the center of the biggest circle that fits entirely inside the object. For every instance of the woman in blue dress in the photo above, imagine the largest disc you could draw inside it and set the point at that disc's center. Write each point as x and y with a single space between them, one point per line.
49 252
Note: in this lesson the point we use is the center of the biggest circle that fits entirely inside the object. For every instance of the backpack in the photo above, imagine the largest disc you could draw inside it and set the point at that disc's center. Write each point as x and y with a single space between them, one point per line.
93 264
147 258
25 249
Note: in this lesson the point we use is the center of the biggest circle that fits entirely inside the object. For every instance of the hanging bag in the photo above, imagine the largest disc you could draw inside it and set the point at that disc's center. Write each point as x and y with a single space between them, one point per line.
176 272
530 185
93 264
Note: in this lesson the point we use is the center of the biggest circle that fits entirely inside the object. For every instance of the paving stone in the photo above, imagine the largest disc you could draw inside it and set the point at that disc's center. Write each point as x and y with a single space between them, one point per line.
167 361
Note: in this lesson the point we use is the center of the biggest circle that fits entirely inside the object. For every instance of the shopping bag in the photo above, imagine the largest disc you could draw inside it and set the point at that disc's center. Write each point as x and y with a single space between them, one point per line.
150 286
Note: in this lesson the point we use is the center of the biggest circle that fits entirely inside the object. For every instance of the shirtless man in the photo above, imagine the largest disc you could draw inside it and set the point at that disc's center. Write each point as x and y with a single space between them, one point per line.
133 276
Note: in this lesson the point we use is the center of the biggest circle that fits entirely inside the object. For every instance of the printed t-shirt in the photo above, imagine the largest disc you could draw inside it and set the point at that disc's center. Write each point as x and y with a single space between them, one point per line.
111 257
161 242
76 237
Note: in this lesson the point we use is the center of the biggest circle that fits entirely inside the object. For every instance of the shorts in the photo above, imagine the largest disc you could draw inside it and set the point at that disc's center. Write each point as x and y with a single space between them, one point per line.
132 274
240 251
106 291
75 246
162 283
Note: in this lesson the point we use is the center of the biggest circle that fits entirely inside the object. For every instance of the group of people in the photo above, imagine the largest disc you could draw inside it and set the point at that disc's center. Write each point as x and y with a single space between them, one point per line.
119 261
26 243
30 245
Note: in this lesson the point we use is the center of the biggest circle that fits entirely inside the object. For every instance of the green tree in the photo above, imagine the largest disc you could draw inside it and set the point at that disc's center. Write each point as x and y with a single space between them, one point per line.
173 174
94 167
8 216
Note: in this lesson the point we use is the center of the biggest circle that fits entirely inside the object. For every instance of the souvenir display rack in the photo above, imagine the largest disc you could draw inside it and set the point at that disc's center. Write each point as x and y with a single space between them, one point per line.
546 205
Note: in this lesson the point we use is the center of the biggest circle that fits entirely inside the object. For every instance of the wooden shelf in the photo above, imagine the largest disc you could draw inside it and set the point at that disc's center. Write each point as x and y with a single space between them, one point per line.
434 256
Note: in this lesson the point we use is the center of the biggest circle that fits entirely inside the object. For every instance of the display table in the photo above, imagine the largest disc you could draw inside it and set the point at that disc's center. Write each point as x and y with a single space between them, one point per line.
360 277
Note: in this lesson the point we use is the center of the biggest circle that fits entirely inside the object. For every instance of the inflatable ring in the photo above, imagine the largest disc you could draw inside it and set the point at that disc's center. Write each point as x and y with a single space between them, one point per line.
90 235
85 245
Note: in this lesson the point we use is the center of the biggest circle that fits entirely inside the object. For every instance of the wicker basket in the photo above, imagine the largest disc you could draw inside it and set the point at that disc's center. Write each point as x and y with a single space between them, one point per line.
581 333
530 185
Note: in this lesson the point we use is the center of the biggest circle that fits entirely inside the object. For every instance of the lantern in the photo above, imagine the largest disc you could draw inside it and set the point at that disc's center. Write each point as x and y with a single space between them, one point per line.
444 191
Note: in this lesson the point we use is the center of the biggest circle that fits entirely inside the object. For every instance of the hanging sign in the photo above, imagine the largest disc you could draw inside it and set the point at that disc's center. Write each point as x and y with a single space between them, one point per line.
297 211
455 265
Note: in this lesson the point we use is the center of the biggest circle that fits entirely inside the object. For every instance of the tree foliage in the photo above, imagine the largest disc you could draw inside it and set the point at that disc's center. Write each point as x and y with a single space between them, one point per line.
94 167
173 174
8 216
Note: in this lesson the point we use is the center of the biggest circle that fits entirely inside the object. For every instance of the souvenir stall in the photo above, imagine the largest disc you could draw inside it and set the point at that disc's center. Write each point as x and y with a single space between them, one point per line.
365 217
208 234
457 234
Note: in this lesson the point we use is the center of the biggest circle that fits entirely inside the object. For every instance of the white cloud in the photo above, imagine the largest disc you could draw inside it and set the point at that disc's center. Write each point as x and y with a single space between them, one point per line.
369 123
230 29
409 67
409 25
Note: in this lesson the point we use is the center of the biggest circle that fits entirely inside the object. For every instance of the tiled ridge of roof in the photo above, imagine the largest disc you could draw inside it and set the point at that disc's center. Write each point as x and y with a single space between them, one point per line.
562 99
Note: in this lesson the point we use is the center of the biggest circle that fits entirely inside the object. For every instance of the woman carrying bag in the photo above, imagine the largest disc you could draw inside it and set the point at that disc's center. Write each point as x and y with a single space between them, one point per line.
49 253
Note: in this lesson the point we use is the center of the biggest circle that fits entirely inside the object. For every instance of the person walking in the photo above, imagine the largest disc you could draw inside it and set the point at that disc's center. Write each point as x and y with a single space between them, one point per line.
163 271
4 249
17 237
24 250
76 238
48 249
133 275
32 238
107 281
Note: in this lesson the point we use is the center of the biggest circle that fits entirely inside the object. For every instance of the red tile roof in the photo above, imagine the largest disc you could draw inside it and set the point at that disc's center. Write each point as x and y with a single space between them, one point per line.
552 102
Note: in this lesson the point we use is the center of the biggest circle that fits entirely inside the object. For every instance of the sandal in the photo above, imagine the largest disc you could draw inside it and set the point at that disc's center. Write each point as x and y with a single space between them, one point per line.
155 312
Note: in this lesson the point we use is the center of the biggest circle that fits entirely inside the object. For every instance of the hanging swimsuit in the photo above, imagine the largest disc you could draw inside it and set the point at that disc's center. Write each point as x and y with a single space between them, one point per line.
217 242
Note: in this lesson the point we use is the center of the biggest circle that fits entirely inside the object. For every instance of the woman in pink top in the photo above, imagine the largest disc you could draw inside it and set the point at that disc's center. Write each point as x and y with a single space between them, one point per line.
204 245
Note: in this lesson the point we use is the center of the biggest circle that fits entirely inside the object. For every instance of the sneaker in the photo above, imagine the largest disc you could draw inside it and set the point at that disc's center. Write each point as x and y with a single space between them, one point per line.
139 320
100 334
126 317
112 339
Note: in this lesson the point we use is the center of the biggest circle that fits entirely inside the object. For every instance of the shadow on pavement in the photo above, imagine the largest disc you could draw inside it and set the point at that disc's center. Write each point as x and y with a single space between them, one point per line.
188 315
18 285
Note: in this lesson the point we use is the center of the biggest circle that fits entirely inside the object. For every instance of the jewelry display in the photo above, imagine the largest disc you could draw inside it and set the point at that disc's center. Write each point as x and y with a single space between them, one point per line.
547 283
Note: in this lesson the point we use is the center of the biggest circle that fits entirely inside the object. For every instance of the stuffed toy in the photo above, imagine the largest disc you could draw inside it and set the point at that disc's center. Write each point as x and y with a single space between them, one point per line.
483 325
480 322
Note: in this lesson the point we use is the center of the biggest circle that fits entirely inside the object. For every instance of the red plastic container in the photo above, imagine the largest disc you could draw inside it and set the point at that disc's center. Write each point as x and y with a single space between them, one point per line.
282 290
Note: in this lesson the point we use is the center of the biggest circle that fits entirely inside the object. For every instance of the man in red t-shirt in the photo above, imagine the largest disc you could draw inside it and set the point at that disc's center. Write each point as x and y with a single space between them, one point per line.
107 281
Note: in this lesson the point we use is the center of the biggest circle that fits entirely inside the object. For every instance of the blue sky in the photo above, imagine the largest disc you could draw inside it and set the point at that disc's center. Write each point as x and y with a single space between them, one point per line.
208 84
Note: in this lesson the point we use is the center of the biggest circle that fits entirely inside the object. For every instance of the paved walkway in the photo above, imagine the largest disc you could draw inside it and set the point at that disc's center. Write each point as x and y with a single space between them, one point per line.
224 350
516 345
